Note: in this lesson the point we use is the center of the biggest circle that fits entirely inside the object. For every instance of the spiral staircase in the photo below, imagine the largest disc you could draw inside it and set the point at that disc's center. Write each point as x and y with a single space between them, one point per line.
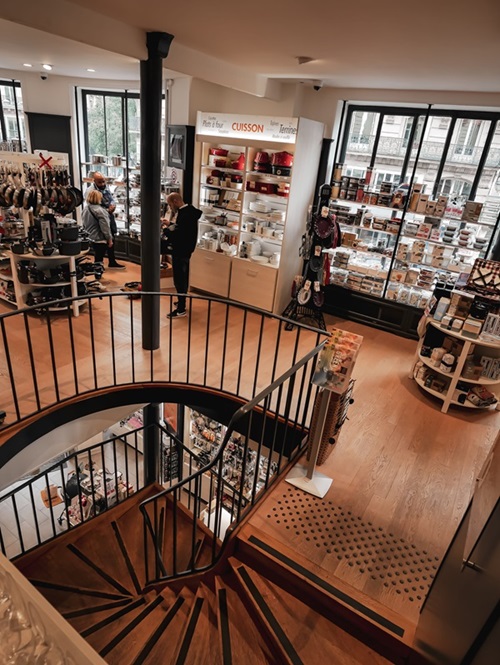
249 609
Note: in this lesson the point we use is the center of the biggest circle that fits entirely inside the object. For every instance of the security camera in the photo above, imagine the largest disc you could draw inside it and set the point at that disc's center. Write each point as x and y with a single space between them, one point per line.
44 77
317 85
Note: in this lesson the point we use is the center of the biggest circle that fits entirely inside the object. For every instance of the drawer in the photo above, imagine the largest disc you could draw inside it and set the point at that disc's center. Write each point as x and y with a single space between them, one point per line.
210 271
253 284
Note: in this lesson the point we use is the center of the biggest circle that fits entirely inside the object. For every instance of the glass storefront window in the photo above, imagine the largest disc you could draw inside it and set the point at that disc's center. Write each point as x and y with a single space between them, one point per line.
12 128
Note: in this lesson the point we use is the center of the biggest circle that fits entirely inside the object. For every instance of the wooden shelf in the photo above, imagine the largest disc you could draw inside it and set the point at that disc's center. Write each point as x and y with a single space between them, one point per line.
441 396
458 335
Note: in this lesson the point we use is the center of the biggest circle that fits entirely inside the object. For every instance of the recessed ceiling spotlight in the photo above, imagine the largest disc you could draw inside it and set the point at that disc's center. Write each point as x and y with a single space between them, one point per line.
47 67
91 70
27 64
304 59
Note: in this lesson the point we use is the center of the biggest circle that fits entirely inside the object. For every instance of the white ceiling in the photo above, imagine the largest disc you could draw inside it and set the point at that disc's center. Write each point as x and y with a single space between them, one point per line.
429 45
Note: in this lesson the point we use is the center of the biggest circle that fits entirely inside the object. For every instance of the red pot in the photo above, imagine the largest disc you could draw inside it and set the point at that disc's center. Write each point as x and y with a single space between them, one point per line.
282 158
218 151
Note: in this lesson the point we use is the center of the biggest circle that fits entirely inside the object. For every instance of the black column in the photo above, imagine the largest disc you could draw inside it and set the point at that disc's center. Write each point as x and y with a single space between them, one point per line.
151 443
158 44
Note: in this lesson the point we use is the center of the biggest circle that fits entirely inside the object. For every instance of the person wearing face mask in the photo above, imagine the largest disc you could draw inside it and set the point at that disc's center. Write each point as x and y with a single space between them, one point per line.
108 203
181 235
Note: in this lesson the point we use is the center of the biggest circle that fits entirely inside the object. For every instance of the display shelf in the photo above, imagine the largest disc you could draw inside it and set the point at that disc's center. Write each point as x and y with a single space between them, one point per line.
11 302
441 243
469 405
435 393
368 228
305 145
455 377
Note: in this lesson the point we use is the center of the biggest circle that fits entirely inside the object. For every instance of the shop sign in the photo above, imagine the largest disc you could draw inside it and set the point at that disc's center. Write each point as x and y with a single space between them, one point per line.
253 127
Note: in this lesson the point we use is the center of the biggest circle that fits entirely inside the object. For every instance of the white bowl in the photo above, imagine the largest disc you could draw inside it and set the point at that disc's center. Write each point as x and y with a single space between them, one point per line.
259 259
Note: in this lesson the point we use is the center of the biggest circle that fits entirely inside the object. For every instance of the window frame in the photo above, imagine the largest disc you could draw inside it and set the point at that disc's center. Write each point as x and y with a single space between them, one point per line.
12 83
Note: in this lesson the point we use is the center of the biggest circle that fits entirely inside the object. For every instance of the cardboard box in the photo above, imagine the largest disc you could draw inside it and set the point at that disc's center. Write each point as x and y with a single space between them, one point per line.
472 211
424 230
439 210
442 200
422 203
430 207
418 187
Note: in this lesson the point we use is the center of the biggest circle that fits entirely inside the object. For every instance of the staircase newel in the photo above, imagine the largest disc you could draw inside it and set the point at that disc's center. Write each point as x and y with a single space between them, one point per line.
151 442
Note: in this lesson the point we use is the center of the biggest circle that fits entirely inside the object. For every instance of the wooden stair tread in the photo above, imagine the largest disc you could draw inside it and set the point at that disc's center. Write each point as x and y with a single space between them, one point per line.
200 637
101 635
165 647
127 650
312 638
247 644
261 551
131 529
83 618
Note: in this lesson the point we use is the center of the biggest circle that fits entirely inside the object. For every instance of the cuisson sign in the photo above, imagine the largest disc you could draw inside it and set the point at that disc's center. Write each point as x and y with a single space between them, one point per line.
281 130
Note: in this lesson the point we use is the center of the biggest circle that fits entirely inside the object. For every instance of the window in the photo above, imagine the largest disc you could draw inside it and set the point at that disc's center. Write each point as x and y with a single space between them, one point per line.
12 129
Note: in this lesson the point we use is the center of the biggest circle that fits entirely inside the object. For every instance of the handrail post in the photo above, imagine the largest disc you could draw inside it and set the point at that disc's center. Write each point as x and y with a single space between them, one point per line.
151 443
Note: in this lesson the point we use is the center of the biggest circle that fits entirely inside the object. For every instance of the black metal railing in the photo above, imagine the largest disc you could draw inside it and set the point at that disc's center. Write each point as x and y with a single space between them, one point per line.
224 346
79 486
187 525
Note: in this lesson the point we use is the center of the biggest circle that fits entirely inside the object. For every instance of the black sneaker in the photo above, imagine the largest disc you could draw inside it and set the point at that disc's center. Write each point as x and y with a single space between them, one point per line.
116 266
175 314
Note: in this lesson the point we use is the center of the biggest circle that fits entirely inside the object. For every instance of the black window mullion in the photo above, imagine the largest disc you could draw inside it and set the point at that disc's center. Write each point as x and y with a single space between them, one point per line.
127 164
339 133
345 139
2 118
444 156
377 140
409 147
105 125
85 95
17 116
482 160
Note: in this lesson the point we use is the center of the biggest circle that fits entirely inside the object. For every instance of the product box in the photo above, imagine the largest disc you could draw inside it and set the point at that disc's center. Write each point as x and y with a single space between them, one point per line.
430 207
422 203
418 187
439 210
424 230
398 276
348 238
472 211
441 309
471 327
336 360
442 201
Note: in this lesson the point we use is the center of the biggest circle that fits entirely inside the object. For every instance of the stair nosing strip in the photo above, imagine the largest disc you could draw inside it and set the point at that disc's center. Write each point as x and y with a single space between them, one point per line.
153 639
102 573
83 592
112 617
269 616
128 562
130 626
326 586
188 635
95 608
227 657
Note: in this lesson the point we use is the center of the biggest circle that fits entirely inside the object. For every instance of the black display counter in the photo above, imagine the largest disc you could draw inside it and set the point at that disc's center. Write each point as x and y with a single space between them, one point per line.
128 248
387 315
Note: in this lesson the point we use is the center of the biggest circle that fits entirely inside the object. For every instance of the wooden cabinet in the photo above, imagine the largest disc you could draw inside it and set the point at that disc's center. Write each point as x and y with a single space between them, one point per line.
254 192
253 284
210 271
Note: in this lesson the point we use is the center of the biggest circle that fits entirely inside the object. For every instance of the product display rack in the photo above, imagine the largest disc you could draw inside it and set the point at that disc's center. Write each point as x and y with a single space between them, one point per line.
22 290
252 220
454 383
205 437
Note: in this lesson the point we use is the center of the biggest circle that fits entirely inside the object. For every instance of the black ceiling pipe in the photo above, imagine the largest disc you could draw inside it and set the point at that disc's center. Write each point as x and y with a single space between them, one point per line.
158 44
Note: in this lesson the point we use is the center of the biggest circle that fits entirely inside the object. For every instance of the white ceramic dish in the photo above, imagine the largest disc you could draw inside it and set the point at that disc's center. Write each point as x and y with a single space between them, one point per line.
259 259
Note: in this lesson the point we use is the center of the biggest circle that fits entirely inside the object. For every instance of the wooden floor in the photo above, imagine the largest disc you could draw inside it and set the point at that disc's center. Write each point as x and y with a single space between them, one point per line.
403 474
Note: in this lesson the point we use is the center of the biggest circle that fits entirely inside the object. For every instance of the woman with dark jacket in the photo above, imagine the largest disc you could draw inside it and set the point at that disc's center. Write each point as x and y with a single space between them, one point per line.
96 223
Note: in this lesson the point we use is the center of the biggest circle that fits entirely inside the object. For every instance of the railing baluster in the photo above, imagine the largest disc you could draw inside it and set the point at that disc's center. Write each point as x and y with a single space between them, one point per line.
276 352
52 355
103 460
9 369
2 544
92 343
170 343
32 360
115 464
69 316
34 511
259 448
51 507
242 347
112 332
190 323
18 524
174 534
224 349
257 364
207 342
132 339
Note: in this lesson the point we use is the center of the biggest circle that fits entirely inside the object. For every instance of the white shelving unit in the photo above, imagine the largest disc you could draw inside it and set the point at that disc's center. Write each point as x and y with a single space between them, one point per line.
447 397
45 262
248 211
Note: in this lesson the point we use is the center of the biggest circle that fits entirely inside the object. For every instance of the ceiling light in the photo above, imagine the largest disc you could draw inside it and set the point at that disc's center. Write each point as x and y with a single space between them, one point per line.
47 67
27 64
91 70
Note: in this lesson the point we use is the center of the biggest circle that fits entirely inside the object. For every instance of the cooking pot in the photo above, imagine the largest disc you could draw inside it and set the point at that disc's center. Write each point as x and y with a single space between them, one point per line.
221 152
116 160
261 162
70 248
98 159
281 163
239 164
68 233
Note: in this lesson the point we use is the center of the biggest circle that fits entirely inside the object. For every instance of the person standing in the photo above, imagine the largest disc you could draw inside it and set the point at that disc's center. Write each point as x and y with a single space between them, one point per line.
96 223
108 202
181 235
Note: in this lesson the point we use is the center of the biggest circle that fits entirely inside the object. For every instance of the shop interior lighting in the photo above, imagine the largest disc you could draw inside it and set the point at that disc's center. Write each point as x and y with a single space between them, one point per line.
91 70
27 64
304 59
47 67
